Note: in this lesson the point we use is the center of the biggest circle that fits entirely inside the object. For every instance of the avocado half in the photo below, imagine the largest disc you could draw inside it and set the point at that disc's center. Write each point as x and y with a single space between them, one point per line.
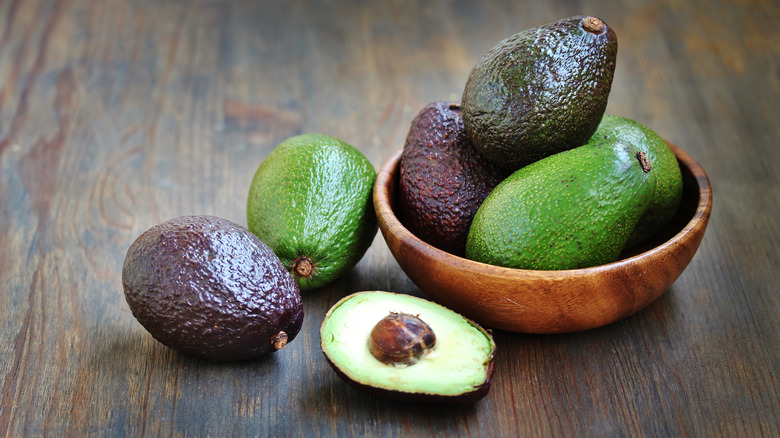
457 369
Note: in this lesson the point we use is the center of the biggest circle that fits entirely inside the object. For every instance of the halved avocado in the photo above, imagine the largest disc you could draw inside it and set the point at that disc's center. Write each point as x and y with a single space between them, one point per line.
455 367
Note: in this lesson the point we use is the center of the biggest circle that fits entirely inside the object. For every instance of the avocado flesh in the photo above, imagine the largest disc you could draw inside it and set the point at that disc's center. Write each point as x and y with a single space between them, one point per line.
458 365
669 186
574 209
442 178
539 92
310 200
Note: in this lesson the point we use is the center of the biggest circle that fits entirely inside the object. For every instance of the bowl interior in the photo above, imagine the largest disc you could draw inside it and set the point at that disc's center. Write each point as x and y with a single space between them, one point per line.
550 301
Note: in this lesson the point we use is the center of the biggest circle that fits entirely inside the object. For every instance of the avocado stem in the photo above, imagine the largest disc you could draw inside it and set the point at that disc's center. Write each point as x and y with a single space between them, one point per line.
279 340
593 25
302 266
644 162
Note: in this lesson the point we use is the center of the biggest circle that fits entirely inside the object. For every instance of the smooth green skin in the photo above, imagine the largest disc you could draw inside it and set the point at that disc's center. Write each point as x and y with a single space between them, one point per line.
311 197
539 92
459 364
571 210
669 184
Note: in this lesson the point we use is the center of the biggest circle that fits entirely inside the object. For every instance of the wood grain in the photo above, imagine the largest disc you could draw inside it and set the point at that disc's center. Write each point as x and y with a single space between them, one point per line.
117 115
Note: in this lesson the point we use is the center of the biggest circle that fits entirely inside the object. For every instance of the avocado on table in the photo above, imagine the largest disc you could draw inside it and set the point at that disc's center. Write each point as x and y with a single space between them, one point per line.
209 288
669 184
574 209
407 348
442 179
541 91
311 201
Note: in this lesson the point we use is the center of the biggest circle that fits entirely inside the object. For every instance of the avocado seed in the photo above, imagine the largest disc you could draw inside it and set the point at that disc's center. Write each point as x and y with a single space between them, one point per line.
400 339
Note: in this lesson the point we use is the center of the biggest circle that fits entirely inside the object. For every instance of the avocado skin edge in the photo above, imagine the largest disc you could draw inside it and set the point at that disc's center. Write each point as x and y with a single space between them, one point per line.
420 397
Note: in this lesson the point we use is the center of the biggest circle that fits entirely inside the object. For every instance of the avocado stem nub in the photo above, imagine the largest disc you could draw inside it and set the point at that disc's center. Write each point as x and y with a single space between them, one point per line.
644 162
302 266
279 340
593 25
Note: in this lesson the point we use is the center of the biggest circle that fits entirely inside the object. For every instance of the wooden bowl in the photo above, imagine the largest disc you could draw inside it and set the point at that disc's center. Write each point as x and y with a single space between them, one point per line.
562 301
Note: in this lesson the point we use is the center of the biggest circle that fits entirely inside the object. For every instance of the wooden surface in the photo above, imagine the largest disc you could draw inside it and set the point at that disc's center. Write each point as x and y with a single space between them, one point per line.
117 115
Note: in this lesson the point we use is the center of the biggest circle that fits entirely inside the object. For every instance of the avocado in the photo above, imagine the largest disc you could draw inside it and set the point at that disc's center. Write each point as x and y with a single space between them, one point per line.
574 209
407 348
540 91
311 201
442 179
209 288
669 185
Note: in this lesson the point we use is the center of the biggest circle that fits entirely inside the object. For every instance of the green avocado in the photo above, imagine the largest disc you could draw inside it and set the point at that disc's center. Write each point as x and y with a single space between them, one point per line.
574 209
669 184
311 202
209 288
541 91
442 179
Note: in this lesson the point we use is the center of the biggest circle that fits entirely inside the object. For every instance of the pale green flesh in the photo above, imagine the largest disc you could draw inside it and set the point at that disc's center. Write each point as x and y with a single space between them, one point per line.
458 363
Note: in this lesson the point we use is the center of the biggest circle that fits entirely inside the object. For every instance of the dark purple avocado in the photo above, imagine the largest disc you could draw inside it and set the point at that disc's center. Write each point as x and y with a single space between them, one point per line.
209 288
443 179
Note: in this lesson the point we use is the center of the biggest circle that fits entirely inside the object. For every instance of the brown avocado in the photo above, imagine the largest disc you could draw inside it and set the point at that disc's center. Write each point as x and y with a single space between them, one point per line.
209 288
443 179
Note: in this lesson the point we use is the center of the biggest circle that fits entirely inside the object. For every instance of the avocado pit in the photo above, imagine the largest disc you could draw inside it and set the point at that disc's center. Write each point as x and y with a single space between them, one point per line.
401 339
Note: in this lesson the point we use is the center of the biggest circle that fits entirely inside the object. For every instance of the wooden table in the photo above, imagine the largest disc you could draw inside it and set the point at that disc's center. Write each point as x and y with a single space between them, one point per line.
118 115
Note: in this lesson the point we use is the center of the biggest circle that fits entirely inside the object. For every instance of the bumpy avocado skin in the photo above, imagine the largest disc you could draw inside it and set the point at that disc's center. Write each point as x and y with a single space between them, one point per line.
539 92
442 180
669 184
311 198
209 288
574 209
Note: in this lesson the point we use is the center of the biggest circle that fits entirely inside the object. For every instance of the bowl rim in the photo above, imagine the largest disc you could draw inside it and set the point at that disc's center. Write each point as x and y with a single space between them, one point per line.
388 220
